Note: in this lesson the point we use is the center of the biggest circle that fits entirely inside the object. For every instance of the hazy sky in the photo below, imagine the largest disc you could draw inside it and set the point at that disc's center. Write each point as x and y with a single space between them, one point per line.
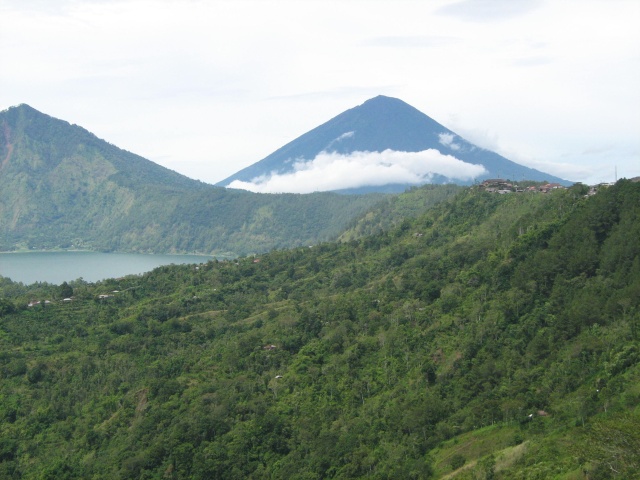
209 87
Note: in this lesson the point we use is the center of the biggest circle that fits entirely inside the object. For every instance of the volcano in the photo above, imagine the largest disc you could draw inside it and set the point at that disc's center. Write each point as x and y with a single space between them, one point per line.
383 145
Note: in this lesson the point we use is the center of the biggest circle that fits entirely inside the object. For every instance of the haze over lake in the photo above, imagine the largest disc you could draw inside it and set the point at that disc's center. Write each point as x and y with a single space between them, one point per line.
58 267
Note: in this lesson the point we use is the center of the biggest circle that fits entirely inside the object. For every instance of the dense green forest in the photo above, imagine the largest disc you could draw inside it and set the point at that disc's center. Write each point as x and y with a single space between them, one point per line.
490 337
64 188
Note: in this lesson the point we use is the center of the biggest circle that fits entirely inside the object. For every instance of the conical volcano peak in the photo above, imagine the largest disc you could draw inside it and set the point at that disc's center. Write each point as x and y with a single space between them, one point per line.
386 102
412 148
387 106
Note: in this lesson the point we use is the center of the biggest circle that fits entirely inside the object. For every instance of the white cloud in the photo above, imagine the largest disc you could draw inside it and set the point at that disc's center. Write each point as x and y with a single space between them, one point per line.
345 135
569 171
489 10
415 41
208 87
333 171
342 137
446 139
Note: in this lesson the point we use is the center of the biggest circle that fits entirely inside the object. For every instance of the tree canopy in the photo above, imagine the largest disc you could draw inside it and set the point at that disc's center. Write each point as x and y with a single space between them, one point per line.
490 336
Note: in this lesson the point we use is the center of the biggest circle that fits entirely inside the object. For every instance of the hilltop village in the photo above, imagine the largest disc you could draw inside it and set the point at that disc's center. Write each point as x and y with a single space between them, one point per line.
502 186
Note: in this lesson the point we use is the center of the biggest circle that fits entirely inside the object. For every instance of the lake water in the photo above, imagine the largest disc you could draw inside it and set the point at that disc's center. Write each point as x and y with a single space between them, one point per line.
58 267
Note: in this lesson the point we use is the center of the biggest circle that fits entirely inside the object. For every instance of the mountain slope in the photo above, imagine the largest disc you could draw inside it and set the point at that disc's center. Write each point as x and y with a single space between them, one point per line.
61 186
494 336
49 142
383 123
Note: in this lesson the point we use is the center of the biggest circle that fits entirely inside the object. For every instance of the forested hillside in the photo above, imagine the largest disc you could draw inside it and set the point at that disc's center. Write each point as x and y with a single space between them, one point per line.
393 209
491 337
62 187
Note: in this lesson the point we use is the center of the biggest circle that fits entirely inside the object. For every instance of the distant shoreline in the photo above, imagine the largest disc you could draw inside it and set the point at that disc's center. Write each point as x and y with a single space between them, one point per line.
79 250
57 266
51 251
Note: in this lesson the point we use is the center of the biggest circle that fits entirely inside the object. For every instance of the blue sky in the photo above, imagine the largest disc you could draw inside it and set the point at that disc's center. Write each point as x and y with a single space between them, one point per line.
207 88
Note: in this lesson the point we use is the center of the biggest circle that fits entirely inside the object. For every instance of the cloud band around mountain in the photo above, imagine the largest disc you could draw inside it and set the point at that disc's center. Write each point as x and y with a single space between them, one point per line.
335 171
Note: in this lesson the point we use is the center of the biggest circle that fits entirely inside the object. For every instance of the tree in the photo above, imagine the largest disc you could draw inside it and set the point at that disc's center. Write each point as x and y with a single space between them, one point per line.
65 290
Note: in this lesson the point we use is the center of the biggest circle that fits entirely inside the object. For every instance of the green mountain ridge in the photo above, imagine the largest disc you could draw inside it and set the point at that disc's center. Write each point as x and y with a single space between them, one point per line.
488 337
62 187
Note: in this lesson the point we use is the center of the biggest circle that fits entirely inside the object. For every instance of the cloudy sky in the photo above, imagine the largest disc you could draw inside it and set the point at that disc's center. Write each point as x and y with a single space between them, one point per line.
207 88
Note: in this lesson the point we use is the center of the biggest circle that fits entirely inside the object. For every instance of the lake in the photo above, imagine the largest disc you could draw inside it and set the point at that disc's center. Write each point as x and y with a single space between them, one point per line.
58 267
